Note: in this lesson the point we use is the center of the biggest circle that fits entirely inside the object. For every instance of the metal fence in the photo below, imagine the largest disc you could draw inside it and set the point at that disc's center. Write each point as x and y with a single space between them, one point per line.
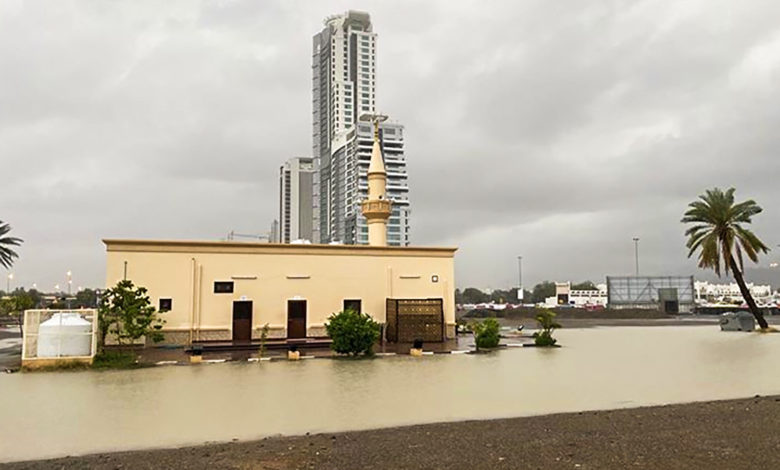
650 292
53 334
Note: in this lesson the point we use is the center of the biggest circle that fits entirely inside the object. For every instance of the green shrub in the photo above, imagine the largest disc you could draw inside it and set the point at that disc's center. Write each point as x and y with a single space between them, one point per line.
547 325
544 338
263 338
352 333
486 333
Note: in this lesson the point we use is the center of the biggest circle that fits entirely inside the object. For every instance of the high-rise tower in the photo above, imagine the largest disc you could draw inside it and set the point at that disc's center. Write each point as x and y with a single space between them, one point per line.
295 195
344 83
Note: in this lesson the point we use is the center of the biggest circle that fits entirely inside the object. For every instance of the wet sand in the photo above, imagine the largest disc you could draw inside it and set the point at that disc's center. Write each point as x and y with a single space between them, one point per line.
732 434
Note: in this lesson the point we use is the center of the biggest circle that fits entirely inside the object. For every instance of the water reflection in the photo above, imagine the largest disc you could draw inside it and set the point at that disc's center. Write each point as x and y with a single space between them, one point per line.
51 414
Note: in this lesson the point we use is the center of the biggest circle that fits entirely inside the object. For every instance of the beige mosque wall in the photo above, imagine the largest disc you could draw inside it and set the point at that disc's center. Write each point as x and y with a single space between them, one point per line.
269 275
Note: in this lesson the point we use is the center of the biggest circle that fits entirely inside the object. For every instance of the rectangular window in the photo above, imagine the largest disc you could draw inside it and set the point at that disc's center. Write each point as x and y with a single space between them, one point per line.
352 304
223 287
166 305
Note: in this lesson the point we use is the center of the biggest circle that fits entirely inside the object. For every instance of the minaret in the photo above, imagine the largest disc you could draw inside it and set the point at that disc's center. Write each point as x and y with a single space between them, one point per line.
376 209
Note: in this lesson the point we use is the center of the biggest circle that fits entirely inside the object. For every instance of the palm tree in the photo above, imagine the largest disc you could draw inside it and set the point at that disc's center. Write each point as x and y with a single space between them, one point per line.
7 255
718 234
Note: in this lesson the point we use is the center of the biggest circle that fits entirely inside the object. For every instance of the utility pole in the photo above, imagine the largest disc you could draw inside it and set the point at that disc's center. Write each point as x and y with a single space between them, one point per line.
519 278
636 254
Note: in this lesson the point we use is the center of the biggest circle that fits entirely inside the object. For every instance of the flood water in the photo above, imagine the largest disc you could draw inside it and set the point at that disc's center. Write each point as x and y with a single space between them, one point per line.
70 413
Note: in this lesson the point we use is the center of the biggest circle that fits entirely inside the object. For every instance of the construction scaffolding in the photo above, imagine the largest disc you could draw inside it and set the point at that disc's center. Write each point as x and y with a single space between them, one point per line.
670 294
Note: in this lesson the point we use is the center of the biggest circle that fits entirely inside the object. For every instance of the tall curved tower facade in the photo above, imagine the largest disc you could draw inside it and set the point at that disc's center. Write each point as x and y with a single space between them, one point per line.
344 90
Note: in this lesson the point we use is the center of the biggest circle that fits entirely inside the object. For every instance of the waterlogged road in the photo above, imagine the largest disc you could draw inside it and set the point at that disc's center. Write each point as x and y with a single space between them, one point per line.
10 348
54 414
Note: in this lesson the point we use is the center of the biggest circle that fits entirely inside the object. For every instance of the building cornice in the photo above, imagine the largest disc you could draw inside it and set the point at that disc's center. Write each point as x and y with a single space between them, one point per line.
199 246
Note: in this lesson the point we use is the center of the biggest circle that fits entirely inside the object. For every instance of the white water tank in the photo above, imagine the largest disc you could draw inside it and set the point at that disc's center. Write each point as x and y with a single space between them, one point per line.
65 335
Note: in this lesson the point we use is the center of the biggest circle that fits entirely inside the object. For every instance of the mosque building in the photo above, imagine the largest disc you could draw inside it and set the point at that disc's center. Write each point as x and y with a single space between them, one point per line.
230 291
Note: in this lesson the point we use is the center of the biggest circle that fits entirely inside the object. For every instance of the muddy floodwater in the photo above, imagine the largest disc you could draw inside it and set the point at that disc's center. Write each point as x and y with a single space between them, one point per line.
70 413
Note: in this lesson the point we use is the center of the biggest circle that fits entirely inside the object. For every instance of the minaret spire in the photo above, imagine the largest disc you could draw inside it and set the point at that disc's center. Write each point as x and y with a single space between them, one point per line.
377 208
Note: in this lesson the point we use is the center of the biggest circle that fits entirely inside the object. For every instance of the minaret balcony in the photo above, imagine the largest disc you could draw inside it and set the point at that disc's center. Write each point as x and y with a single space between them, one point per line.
377 208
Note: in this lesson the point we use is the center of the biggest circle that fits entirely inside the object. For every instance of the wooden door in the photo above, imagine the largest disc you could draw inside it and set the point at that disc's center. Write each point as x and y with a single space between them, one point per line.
296 319
242 320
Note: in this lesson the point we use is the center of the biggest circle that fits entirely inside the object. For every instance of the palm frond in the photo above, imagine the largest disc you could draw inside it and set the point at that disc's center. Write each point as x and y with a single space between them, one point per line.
717 232
709 257
7 255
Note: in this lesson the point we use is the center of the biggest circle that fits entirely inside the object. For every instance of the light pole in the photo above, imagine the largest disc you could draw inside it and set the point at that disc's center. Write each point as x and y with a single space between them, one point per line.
70 284
636 254
520 278
8 283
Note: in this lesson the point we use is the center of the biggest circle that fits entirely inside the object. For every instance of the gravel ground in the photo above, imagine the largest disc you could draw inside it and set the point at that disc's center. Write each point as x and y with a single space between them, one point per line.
732 434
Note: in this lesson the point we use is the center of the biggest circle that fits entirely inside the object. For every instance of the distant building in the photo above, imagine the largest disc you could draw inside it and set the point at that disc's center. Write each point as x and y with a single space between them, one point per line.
273 234
706 291
295 196
670 294
565 295
590 297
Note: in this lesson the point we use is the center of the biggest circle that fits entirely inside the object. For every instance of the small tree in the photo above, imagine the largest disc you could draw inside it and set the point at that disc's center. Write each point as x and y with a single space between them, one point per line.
352 333
547 325
472 295
86 298
126 312
15 305
542 291
486 333
584 285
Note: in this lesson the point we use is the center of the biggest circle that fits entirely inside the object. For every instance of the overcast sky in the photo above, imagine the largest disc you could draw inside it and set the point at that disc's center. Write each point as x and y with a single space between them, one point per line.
552 130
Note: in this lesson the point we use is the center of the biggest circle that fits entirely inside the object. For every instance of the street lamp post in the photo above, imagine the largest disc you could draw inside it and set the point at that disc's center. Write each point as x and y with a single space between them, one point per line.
70 283
8 283
636 254
520 278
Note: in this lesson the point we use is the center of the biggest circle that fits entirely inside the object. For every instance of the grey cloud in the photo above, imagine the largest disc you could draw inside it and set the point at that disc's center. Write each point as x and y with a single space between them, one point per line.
553 130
